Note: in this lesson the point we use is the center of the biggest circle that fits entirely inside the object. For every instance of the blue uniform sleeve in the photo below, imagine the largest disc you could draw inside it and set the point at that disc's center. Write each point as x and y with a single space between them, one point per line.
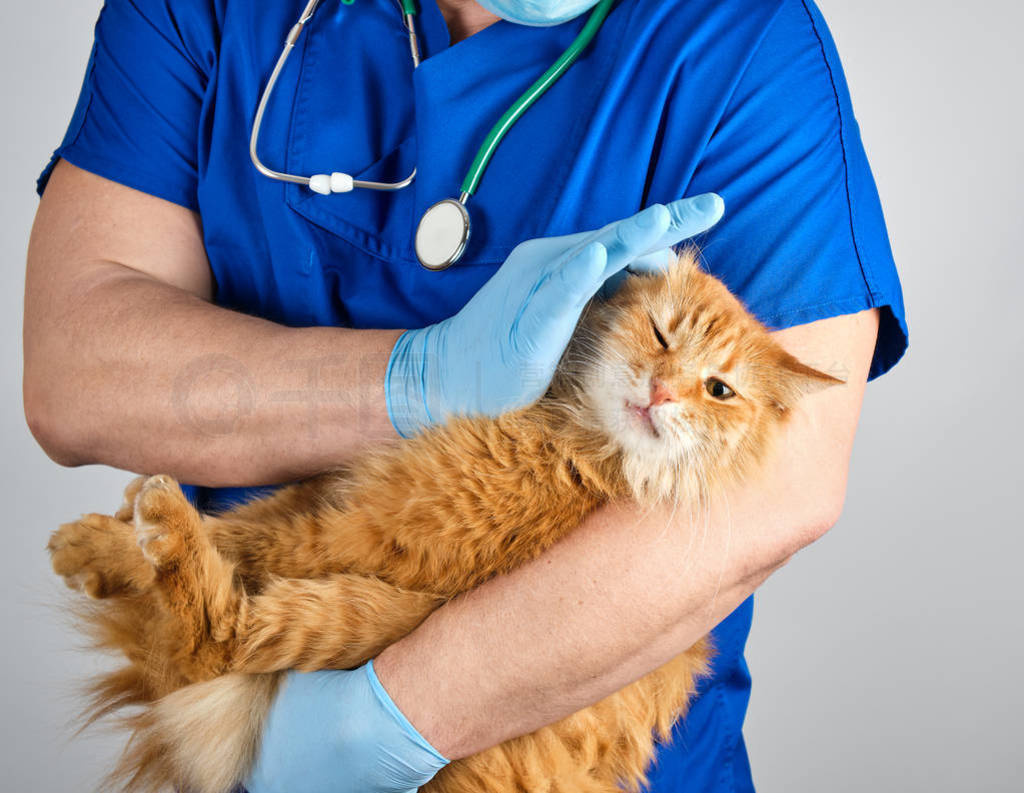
138 116
803 236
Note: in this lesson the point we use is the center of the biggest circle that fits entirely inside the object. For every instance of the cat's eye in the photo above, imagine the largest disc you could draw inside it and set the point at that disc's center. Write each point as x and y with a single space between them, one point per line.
718 389
657 334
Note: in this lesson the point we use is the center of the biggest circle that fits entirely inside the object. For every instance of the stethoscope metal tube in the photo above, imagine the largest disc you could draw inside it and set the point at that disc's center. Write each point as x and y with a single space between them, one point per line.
337 182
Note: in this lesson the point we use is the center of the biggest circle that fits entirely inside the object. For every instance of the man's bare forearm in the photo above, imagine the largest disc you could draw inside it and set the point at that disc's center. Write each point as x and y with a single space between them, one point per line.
128 363
628 590
149 378
620 596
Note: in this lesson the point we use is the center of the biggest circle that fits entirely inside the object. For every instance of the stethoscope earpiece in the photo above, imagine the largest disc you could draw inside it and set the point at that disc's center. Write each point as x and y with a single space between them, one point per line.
336 182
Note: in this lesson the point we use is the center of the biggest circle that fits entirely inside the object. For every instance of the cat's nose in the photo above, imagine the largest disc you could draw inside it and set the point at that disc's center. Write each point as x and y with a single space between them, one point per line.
660 393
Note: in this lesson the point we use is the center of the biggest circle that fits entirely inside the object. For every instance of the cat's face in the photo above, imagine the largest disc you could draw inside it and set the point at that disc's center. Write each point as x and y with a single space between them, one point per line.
683 380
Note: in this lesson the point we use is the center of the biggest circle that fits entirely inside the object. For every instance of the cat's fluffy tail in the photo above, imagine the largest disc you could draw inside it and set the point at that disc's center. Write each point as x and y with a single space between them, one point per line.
202 738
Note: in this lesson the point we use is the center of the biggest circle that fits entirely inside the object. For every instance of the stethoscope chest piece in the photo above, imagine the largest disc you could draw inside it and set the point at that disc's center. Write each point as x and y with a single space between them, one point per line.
442 234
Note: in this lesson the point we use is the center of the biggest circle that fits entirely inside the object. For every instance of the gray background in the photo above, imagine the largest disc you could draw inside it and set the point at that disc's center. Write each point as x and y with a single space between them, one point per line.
887 656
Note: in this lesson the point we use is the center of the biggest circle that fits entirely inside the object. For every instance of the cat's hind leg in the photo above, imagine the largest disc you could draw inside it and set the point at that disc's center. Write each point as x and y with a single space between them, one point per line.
195 583
333 622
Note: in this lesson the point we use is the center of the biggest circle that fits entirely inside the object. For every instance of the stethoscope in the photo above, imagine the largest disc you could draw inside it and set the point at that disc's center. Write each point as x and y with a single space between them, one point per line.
443 231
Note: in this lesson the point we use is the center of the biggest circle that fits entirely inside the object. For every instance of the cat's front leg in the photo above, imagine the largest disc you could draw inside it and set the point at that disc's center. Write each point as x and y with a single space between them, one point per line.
195 583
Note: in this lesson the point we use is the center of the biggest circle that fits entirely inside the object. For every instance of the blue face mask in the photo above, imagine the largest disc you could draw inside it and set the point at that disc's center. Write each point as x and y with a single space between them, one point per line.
538 13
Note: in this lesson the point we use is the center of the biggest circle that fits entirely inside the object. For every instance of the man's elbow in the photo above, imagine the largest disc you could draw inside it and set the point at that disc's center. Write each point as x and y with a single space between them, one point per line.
819 513
824 516
51 425
797 523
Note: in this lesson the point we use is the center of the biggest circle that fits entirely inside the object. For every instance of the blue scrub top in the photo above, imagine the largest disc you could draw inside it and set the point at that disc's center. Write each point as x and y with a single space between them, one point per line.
673 98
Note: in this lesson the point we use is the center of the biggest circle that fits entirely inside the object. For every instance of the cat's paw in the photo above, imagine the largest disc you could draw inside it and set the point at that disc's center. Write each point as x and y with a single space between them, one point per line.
126 512
165 522
98 555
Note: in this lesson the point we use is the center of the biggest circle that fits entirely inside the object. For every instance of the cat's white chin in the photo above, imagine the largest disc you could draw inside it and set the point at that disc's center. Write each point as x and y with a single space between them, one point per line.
653 442
654 445
650 481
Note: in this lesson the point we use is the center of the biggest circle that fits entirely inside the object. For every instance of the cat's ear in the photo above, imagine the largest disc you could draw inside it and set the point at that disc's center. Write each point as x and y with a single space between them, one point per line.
797 380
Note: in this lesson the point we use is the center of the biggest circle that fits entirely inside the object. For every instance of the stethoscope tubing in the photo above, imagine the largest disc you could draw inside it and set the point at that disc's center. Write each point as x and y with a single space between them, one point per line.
440 237
408 12
494 136
531 95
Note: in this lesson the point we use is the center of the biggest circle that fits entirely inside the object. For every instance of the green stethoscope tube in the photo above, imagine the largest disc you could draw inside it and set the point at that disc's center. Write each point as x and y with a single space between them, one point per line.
532 94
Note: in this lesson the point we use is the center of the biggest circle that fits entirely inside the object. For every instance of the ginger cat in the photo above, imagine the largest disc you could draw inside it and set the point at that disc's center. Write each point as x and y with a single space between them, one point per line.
667 391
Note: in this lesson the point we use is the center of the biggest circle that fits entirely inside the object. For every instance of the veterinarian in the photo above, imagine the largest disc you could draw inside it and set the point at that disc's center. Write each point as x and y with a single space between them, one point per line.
186 313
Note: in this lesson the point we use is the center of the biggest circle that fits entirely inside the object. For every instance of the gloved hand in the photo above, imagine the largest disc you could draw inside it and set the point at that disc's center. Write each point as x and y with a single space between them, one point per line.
500 351
339 732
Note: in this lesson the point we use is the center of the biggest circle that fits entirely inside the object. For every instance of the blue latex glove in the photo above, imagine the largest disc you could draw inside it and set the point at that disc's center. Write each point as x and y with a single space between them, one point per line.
339 732
500 351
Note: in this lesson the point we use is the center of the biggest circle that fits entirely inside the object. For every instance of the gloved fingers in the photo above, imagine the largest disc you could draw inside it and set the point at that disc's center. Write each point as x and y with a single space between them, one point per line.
633 237
692 216
688 217
628 243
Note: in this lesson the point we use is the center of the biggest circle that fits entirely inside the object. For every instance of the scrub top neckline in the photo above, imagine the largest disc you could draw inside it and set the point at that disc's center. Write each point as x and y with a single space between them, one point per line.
439 49
433 29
